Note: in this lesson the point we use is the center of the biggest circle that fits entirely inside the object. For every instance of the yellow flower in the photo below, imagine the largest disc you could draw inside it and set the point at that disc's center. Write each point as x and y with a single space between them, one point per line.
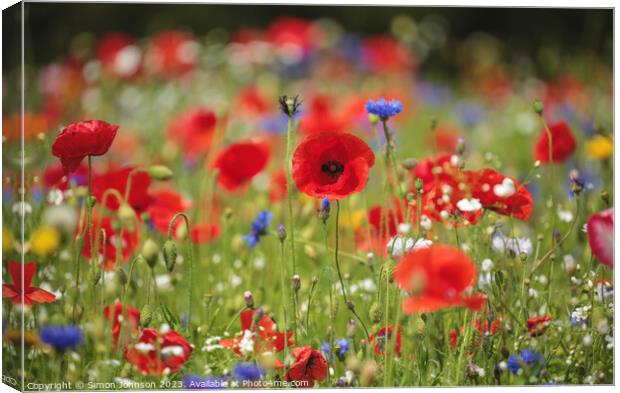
7 239
600 147
44 241
353 220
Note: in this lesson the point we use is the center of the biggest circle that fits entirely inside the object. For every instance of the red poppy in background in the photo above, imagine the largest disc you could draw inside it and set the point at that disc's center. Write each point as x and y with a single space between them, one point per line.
278 189
166 203
332 165
193 129
139 197
445 139
34 124
55 177
119 55
484 329
129 243
309 366
563 144
240 162
252 102
600 228
436 278
432 169
15 291
82 139
266 338
536 326
295 32
172 53
131 314
321 117
204 232
502 194
158 353
384 54
379 340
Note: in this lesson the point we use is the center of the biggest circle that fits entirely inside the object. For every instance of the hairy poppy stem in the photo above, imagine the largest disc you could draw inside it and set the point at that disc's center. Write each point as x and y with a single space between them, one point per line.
349 305
190 255
289 189
551 171
284 297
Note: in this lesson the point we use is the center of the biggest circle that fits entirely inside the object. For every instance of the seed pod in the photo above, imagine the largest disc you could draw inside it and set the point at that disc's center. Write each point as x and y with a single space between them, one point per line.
409 163
296 280
538 107
126 215
91 201
375 313
146 315
150 252
170 255
160 172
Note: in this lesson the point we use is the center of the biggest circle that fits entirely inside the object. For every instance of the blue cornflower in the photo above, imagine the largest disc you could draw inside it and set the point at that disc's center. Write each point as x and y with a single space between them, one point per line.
259 228
60 337
327 351
192 381
530 357
383 108
343 347
325 205
248 371
513 364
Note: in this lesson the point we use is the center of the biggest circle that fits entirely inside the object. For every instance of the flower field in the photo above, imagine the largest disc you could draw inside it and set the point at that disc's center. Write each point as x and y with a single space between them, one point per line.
298 205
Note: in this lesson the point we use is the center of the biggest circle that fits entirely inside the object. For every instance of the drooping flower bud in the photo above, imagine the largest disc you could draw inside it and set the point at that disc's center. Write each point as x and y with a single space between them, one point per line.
170 255
126 215
150 251
409 163
538 107
375 313
160 172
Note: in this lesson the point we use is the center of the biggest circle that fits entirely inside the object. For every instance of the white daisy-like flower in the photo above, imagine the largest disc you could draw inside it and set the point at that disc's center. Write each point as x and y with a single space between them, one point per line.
505 189
399 246
469 205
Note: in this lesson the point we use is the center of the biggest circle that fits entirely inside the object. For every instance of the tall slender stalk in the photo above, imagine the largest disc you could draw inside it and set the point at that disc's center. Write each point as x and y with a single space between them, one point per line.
190 256
289 189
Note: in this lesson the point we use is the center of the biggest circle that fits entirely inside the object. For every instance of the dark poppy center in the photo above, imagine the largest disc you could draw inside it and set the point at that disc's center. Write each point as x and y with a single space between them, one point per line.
332 168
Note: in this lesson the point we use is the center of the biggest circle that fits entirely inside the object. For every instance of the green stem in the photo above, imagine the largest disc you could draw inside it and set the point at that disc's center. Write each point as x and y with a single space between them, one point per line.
289 190
190 255
284 291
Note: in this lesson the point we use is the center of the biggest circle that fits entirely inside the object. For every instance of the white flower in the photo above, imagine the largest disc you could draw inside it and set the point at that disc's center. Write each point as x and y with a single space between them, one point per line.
172 350
501 243
144 347
404 228
127 60
487 265
246 345
565 215
505 189
469 205
410 244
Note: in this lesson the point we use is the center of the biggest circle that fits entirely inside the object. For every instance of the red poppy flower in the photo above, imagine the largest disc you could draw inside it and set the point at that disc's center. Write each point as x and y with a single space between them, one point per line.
377 217
55 177
204 232
436 278
332 165
502 194
380 340
292 32
139 198
278 189
563 144
309 366
445 139
484 329
266 339
430 170
240 162
536 326
384 54
194 129
321 117
251 102
129 243
600 228
158 353
131 314
171 53
119 55
81 139
31 295
166 203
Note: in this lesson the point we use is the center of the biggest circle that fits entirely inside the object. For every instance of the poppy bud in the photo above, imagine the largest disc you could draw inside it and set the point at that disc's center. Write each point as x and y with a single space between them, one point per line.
460 146
121 276
281 233
410 163
91 201
249 299
150 251
146 315
170 255
296 282
350 305
419 183
160 172
258 315
538 107
420 326
505 352
228 213
375 313
315 280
